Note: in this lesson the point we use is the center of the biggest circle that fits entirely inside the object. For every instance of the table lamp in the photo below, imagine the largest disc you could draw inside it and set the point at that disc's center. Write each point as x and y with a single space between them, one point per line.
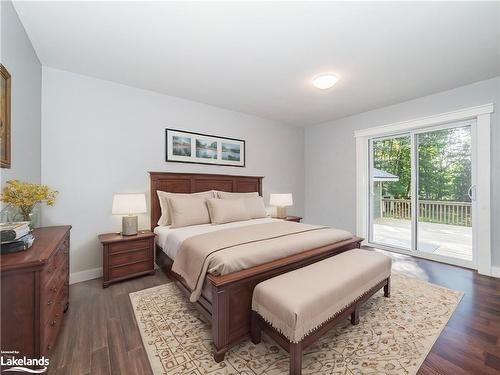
281 201
129 204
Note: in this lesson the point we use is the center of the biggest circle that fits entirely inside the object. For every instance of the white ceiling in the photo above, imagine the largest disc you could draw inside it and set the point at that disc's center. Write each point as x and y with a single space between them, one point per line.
258 58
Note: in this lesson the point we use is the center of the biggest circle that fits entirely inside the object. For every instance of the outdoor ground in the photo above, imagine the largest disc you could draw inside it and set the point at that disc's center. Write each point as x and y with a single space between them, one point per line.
442 239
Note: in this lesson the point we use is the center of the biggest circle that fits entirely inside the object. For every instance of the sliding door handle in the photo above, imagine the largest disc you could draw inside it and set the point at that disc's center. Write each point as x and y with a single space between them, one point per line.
472 192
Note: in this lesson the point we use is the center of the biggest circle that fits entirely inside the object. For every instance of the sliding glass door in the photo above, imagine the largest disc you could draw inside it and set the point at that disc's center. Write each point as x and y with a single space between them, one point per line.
437 221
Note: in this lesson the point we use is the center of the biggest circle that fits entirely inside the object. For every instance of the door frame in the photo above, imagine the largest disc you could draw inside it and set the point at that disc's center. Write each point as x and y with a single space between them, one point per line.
414 188
481 157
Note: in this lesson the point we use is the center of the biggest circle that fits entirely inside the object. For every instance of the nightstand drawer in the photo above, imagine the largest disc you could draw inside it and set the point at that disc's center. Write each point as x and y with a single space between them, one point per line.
130 256
128 245
122 271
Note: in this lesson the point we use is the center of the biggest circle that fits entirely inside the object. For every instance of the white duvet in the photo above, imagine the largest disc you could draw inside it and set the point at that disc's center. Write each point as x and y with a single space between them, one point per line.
170 239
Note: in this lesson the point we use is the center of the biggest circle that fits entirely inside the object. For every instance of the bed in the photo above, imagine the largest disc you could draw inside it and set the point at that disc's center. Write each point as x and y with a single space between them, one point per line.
225 299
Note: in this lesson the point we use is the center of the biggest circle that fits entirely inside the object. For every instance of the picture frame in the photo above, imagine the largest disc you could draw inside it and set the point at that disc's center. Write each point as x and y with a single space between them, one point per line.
190 147
5 118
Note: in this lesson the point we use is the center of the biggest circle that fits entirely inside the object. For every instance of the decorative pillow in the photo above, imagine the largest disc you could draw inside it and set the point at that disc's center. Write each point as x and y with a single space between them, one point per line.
227 210
227 195
163 196
255 207
188 211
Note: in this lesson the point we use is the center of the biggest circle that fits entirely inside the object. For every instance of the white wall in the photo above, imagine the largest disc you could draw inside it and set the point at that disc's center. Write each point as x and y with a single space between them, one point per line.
330 155
19 57
99 138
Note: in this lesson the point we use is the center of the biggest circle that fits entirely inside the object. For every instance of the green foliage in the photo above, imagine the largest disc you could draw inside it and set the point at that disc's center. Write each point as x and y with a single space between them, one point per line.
444 164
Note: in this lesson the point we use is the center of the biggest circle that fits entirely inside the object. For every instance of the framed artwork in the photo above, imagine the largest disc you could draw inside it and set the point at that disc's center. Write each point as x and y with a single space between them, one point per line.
189 147
4 118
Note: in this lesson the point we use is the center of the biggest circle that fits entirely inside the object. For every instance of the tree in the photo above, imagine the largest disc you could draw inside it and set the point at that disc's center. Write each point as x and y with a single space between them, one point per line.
444 164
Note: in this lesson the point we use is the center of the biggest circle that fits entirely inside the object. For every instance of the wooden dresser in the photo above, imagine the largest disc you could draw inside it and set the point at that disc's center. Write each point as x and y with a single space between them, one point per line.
35 293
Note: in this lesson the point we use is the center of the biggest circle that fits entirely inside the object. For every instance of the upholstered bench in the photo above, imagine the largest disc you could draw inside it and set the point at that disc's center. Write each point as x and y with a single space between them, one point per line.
298 307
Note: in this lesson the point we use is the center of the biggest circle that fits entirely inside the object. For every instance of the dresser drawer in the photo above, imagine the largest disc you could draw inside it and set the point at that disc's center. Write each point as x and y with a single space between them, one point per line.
123 246
131 269
130 256
51 326
52 294
58 262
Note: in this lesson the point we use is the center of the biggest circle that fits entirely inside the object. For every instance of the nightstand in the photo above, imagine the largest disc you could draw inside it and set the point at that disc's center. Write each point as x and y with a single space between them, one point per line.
125 257
297 219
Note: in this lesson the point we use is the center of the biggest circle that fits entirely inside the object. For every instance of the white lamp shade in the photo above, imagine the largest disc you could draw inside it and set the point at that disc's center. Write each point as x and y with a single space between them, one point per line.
281 200
127 204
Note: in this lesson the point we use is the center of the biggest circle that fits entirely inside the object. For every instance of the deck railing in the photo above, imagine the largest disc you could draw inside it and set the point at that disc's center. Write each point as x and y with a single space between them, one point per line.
443 212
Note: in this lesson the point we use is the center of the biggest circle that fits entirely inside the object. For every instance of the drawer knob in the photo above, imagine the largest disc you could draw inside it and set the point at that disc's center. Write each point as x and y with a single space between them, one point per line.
53 323
53 289
49 347
49 302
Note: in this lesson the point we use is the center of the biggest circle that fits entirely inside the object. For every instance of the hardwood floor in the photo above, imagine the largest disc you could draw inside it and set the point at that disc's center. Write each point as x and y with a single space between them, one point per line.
100 336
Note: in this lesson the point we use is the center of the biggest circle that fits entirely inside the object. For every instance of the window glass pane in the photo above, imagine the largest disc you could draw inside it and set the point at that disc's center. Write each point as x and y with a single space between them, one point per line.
444 184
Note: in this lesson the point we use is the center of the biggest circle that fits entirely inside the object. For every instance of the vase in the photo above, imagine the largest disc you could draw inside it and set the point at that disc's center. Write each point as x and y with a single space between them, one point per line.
12 213
32 217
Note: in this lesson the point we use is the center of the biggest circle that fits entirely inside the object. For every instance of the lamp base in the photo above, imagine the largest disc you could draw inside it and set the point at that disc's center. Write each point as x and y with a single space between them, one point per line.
129 225
281 212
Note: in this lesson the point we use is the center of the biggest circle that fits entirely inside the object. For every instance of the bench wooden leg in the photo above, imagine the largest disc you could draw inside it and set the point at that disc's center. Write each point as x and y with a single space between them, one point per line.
387 288
295 358
355 316
219 355
255 330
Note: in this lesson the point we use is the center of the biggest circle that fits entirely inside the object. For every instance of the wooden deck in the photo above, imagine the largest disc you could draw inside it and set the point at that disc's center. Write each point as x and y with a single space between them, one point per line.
453 241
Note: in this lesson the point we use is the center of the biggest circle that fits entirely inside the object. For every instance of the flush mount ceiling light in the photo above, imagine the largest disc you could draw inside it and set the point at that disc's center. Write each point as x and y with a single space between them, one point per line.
324 81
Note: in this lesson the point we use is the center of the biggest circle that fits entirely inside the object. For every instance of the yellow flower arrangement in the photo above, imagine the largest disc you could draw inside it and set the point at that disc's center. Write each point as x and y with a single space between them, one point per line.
25 196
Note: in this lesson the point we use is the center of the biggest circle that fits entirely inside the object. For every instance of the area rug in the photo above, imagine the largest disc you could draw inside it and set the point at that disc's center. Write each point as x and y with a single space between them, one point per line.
394 335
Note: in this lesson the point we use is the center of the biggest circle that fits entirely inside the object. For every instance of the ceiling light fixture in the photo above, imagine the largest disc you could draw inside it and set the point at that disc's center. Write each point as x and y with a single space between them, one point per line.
324 81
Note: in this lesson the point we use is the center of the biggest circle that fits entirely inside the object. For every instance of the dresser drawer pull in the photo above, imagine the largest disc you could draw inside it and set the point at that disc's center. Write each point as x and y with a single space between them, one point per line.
53 323
49 347
53 289
49 302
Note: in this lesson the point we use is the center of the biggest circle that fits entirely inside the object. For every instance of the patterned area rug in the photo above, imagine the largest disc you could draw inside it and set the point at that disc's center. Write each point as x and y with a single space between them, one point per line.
394 335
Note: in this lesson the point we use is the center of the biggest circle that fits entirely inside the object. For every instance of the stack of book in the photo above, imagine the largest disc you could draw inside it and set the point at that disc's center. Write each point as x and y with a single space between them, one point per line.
15 237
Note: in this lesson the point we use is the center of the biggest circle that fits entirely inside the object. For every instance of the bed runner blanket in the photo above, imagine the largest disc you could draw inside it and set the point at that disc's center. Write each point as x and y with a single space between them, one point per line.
234 249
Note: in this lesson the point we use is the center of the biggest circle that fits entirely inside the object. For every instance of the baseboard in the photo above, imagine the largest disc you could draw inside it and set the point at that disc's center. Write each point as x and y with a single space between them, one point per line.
495 271
78 277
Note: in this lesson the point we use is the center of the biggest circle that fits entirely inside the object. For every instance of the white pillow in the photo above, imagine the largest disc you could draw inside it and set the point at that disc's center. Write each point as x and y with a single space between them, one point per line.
227 210
255 207
227 195
188 211
163 197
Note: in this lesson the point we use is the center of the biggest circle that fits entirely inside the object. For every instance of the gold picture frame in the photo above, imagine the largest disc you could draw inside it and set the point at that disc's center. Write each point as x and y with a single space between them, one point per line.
5 160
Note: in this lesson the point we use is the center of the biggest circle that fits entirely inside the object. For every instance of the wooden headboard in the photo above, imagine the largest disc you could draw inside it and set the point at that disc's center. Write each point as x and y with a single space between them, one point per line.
196 182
